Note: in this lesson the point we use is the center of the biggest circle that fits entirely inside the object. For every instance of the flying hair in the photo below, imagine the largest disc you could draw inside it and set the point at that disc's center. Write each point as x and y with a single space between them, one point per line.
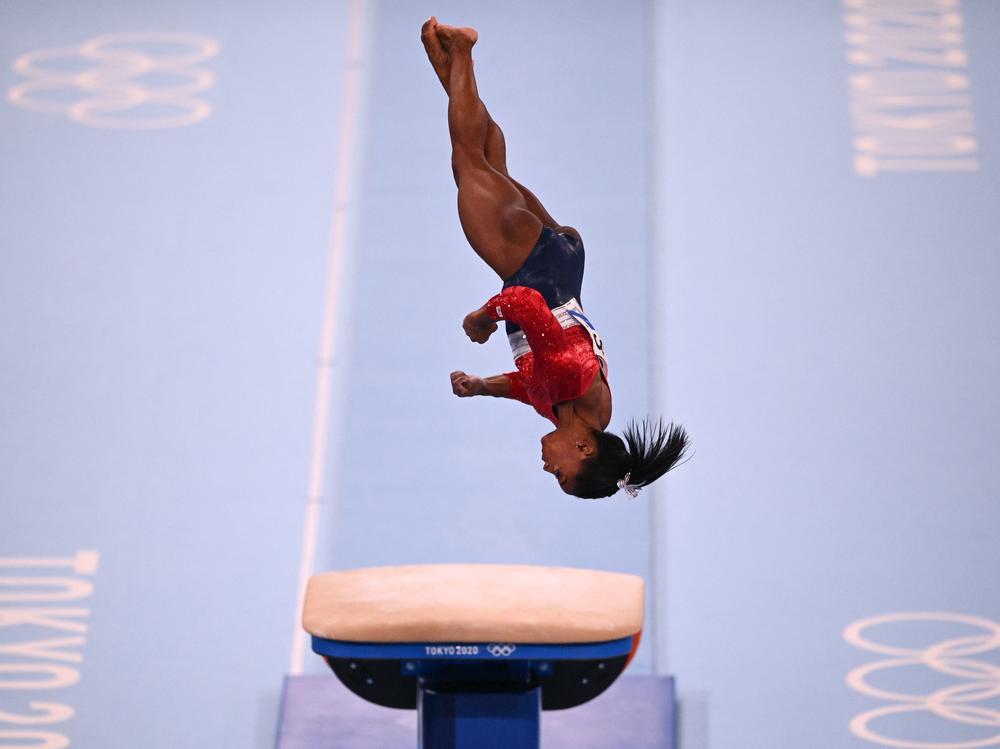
649 449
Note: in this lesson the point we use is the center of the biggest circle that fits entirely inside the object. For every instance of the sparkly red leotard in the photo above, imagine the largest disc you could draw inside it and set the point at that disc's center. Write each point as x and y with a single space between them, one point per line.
563 358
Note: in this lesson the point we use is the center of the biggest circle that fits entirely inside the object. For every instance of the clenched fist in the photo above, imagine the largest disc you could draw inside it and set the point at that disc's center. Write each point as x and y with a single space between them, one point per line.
465 385
479 326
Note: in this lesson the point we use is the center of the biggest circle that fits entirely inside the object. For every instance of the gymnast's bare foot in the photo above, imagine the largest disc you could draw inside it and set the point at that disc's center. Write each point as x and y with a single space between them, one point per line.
453 37
436 53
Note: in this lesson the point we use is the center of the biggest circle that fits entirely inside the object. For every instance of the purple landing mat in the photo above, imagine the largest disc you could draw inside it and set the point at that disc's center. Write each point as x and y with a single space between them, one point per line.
317 712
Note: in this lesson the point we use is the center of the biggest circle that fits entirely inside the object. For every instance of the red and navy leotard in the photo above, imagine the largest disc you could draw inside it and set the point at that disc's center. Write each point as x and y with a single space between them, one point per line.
561 355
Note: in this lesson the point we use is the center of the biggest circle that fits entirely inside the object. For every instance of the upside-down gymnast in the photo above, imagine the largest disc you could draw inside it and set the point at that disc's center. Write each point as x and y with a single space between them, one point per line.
561 366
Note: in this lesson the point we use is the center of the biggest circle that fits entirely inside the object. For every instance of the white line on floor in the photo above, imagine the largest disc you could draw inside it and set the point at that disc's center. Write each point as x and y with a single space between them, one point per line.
342 206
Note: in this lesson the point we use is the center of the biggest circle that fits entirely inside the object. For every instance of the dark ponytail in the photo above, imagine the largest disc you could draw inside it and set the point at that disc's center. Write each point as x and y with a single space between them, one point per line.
652 449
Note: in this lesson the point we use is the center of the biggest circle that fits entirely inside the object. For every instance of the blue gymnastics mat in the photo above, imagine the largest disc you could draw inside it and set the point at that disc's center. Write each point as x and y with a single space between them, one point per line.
318 712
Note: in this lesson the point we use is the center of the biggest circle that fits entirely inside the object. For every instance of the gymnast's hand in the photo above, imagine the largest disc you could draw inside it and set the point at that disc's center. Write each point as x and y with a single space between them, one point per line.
479 326
465 385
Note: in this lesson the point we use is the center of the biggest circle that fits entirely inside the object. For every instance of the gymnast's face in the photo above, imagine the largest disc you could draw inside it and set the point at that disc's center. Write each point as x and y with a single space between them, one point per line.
563 452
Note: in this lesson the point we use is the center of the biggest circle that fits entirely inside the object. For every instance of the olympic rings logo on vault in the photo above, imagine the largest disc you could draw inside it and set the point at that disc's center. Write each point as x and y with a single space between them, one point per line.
953 715
501 649
107 81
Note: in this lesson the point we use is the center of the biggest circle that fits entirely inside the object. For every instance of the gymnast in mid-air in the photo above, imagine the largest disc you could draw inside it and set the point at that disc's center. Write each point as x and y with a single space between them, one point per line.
562 370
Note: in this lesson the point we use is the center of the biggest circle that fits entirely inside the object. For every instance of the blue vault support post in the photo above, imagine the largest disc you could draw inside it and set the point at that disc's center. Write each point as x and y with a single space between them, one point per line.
484 720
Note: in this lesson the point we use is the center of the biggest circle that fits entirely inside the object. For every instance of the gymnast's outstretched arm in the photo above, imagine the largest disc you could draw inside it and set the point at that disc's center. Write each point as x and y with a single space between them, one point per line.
510 385
465 385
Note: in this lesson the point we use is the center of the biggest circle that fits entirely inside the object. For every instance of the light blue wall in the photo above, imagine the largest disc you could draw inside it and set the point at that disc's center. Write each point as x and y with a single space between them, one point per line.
159 306
832 341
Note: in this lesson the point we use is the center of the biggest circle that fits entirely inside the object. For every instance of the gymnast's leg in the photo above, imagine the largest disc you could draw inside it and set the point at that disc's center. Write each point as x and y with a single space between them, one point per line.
496 147
494 214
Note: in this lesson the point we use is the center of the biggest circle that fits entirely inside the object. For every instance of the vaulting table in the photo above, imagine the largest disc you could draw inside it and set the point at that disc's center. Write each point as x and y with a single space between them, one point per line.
477 649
